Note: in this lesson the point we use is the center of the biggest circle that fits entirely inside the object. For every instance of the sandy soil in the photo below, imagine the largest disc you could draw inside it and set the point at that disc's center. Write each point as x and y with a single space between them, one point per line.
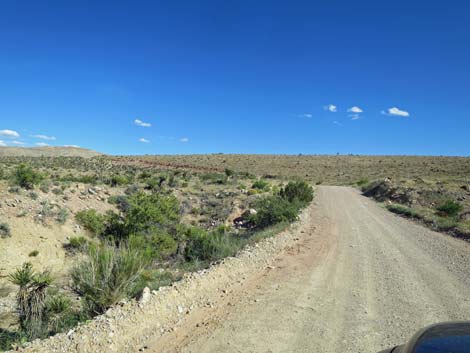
362 280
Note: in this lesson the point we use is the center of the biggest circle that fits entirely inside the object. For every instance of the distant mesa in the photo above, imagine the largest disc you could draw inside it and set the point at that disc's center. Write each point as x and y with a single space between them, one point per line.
48 151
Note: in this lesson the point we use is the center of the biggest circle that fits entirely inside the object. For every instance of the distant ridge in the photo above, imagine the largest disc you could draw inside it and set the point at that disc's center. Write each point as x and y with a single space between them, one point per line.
49 151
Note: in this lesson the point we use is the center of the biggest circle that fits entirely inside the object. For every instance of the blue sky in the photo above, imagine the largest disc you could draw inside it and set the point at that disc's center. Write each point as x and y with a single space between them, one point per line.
237 76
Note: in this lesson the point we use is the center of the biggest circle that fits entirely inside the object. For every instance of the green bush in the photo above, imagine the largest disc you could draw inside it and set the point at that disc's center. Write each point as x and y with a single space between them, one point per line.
298 191
118 180
25 177
149 211
209 246
5 230
449 208
108 275
261 184
403 210
121 201
62 216
76 244
92 221
273 209
33 253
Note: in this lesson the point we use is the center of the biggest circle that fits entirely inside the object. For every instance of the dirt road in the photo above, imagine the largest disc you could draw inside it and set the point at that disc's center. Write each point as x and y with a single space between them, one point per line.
359 280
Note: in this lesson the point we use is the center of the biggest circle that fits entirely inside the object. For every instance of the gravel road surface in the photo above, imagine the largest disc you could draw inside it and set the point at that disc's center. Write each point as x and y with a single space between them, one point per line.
360 279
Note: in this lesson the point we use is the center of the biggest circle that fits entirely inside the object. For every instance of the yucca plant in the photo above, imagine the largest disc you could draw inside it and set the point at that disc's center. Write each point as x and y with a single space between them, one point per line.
31 299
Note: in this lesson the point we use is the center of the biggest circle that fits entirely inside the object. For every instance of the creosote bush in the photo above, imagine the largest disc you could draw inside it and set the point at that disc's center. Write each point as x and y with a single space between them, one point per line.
449 208
5 230
91 220
25 177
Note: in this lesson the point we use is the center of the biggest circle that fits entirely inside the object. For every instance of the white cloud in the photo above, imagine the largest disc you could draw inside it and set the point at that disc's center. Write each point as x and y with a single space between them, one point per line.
45 137
9 133
42 144
139 122
2 143
331 108
74 146
396 112
18 143
144 140
354 116
355 109
305 115
184 139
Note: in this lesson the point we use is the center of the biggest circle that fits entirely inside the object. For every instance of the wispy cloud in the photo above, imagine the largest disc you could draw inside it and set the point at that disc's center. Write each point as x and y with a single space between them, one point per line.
331 108
2 143
396 112
337 123
139 122
354 116
143 140
305 115
18 143
9 133
184 139
355 109
45 137
41 144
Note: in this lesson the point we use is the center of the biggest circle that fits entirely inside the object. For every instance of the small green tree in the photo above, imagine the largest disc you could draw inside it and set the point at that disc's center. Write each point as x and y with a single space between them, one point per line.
25 177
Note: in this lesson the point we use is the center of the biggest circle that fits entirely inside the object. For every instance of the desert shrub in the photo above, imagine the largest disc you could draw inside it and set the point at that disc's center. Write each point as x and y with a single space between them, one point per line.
117 180
229 172
33 253
5 230
121 201
45 186
132 189
209 246
33 195
148 211
297 191
272 210
92 221
14 190
261 185
62 216
162 244
449 208
57 191
108 275
60 314
403 210
76 244
213 178
25 177
362 182
46 210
